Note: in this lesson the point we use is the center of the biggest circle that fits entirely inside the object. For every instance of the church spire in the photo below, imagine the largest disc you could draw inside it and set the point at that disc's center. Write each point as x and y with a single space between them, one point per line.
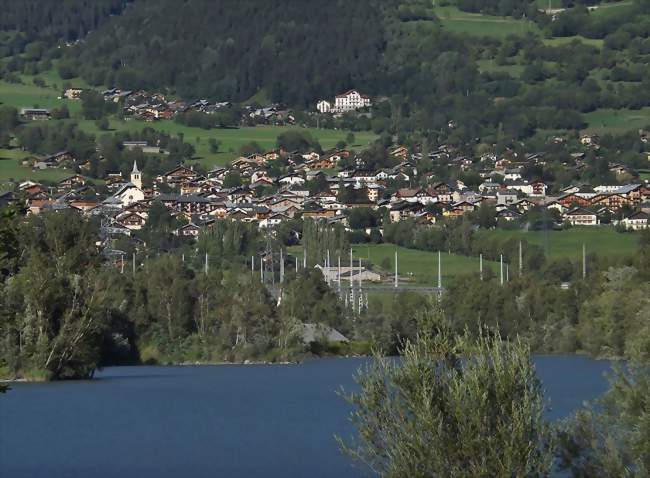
136 177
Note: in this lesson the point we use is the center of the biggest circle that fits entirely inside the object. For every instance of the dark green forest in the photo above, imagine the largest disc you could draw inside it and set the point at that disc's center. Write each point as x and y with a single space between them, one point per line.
56 20
230 49
435 79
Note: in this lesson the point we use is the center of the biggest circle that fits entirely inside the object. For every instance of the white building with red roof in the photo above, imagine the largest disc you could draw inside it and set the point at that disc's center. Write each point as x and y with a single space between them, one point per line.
349 101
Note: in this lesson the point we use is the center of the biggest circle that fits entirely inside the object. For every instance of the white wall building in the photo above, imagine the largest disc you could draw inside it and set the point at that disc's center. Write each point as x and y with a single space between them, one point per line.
324 106
350 101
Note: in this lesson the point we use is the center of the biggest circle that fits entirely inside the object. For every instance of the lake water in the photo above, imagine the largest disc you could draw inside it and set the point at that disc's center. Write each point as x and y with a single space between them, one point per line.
222 421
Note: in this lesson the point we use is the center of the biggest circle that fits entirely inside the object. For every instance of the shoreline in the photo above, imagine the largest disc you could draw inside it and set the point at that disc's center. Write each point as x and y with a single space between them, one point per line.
615 359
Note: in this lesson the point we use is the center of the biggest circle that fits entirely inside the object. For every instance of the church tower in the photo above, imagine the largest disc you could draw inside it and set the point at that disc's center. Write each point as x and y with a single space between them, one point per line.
136 176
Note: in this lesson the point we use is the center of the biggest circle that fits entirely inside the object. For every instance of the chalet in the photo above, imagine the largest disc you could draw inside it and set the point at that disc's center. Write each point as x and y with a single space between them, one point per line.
242 215
523 205
261 175
292 180
443 191
72 182
618 169
59 158
512 175
363 176
634 192
84 205
637 221
141 208
73 93
611 201
453 212
188 230
322 163
177 175
508 214
318 213
425 217
31 189
374 192
219 210
36 206
581 217
489 187
538 188
273 220
243 164
557 206
131 220
589 140
262 182
217 172
414 196
404 210
114 180
575 200
193 204
464 206
507 197
400 152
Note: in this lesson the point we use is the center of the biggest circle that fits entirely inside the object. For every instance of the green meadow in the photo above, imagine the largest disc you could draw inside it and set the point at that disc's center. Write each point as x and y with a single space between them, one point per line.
27 95
12 169
457 21
609 120
568 243
232 139
419 267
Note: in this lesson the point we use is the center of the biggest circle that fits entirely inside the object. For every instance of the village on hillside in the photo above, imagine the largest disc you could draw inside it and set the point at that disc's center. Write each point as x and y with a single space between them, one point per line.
325 185
318 188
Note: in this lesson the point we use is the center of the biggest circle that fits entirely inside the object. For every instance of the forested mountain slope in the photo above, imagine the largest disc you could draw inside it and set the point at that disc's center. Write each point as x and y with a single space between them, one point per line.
232 48
66 20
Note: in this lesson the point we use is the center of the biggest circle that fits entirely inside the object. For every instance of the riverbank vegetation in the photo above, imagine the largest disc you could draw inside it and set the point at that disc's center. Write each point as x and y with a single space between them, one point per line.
453 406
67 309
471 405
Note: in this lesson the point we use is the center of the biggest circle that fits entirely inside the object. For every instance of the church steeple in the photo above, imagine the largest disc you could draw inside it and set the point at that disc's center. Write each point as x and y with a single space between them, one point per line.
136 177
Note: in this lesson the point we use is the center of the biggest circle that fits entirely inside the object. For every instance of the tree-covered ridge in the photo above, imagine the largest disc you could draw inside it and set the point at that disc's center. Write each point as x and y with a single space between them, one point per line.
65 20
232 48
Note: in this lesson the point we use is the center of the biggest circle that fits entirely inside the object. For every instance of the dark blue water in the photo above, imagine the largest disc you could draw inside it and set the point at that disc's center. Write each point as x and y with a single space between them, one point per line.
224 421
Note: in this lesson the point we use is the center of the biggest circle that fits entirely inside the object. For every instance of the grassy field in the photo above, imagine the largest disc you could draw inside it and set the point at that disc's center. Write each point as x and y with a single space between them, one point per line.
606 9
29 95
489 65
568 244
419 267
477 24
608 120
231 139
415 267
11 169
597 42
